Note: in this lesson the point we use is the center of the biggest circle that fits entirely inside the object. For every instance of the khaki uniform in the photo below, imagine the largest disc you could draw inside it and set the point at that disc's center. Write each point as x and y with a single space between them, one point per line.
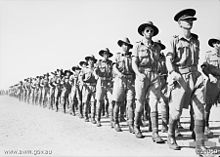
45 91
147 61
189 88
57 92
104 85
66 89
75 93
212 90
88 92
52 93
123 87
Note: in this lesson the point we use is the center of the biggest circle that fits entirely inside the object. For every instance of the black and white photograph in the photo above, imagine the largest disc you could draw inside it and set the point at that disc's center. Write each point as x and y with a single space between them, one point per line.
110 78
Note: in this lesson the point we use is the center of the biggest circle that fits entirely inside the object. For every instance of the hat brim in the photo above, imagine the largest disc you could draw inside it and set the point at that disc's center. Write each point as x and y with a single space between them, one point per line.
81 63
88 57
211 41
102 52
189 12
144 25
120 42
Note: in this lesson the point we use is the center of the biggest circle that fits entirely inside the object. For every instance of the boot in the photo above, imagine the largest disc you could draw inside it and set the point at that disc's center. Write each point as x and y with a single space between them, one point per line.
99 113
207 132
117 127
164 122
137 129
93 109
171 140
111 114
131 128
155 136
199 132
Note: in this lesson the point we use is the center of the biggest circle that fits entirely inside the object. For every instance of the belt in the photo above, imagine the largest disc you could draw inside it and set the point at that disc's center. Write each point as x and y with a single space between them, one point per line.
90 84
147 69
105 78
185 70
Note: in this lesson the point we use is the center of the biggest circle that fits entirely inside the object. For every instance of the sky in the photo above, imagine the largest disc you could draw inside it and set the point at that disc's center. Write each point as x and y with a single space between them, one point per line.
39 36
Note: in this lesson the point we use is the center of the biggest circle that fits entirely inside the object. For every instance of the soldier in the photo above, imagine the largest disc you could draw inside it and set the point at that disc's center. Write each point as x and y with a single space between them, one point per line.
83 65
52 91
45 89
163 102
58 90
88 89
211 68
186 83
32 87
103 73
66 89
41 85
75 93
123 87
147 84
20 90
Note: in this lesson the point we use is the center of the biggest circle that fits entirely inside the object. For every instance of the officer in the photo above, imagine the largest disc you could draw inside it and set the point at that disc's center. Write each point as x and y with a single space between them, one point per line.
147 84
103 74
211 68
74 96
163 102
123 87
88 90
186 83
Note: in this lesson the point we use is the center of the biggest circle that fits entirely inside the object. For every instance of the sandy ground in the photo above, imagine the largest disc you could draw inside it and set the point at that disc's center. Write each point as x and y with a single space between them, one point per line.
25 127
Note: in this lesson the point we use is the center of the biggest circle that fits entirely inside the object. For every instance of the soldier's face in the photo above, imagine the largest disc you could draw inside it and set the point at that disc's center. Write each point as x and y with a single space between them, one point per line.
91 62
217 45
125 47
148 32
186 24
105 56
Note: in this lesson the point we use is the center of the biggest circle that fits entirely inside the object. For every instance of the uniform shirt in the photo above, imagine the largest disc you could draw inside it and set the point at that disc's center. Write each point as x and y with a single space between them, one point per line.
213 57
88 75
124 63
104 68
184 52
147 56
212 63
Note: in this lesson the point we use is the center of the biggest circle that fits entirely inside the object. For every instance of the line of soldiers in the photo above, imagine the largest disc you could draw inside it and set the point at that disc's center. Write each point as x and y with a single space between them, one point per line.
135 84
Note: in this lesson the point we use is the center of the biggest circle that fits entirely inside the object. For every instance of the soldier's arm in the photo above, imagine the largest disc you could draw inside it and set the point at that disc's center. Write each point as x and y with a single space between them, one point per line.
135 60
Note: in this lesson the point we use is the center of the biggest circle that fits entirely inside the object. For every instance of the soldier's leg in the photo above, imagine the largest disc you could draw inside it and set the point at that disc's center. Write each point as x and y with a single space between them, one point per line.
118 95
85 101
199 122
141 90
154 95
175 106
79 100
111 107
130 109
164 114
122 110
207 115
93 106
100 93
63 100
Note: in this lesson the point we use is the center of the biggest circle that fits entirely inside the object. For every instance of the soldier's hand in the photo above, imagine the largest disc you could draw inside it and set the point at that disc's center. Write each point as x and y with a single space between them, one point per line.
141 76
212 78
